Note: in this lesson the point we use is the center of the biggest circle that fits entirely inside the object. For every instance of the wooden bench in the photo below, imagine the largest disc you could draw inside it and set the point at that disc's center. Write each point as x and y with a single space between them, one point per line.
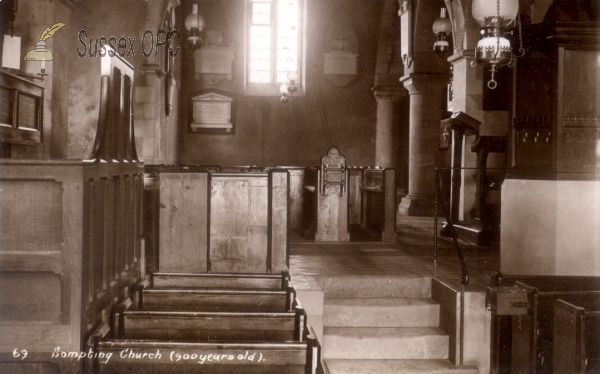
214 300
206 326
309 202
378 203
148 357
221 281
576 337
128 323
524 342
144 354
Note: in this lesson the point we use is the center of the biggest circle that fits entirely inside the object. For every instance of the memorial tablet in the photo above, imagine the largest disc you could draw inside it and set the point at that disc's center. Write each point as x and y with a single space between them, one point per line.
211 111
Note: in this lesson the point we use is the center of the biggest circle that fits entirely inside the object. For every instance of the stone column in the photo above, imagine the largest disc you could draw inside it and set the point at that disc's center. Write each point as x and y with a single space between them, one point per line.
425 92
147 113
387 100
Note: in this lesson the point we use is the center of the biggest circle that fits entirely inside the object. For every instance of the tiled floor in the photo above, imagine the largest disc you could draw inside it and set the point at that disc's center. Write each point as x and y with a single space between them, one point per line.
411 255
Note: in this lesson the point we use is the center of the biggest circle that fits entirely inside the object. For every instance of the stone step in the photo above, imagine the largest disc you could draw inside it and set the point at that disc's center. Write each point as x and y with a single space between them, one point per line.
396 366
381 312
385 343
375 286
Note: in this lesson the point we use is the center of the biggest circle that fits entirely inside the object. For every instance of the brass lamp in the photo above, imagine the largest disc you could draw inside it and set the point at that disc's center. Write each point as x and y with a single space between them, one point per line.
194 24
493 17
442 28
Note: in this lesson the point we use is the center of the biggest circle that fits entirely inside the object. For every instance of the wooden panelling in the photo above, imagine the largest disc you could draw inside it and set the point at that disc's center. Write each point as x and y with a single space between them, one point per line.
97 236
183 222
30 296
238 223
35 223
280 220
60 270
332 216
378 200
29 368
354 205
580 120
218 222
21 107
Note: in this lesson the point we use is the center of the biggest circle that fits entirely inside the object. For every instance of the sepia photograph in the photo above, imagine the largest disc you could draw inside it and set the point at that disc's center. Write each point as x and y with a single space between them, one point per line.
300 187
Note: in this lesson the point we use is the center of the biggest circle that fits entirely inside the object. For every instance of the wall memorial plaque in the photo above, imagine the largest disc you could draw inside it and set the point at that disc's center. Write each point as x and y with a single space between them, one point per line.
340 50
340 63
210 113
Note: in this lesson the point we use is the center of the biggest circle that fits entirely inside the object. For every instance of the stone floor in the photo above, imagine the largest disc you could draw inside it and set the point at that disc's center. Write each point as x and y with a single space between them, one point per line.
411 255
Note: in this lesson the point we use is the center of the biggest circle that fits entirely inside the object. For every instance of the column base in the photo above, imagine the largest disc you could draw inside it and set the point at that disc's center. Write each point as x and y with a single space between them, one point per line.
419 207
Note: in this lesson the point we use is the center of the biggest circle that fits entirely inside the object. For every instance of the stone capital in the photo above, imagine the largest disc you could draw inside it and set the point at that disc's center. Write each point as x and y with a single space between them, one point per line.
152 69
425 83
389 94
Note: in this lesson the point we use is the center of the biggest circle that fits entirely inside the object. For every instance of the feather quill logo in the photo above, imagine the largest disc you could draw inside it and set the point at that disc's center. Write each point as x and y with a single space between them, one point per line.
41 53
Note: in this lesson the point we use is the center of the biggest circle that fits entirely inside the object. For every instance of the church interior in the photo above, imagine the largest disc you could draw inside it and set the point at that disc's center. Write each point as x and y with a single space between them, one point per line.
300 186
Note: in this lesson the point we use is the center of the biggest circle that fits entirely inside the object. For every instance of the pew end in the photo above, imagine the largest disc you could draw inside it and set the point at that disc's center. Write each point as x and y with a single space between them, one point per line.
526 340
576 337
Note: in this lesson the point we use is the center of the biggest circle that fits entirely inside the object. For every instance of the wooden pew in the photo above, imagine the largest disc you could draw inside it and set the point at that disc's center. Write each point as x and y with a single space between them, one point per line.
131 323
378 203
576 337
220 281
524 342
206 326
309 202
149 357
215 300
145 354
218 222
209 326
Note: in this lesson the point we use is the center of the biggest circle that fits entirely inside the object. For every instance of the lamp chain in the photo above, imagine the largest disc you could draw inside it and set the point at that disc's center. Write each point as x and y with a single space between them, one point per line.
521 49
498 11
497 36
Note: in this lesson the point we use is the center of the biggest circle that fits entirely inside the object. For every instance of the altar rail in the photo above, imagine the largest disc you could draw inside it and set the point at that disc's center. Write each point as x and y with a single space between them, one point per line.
70 251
